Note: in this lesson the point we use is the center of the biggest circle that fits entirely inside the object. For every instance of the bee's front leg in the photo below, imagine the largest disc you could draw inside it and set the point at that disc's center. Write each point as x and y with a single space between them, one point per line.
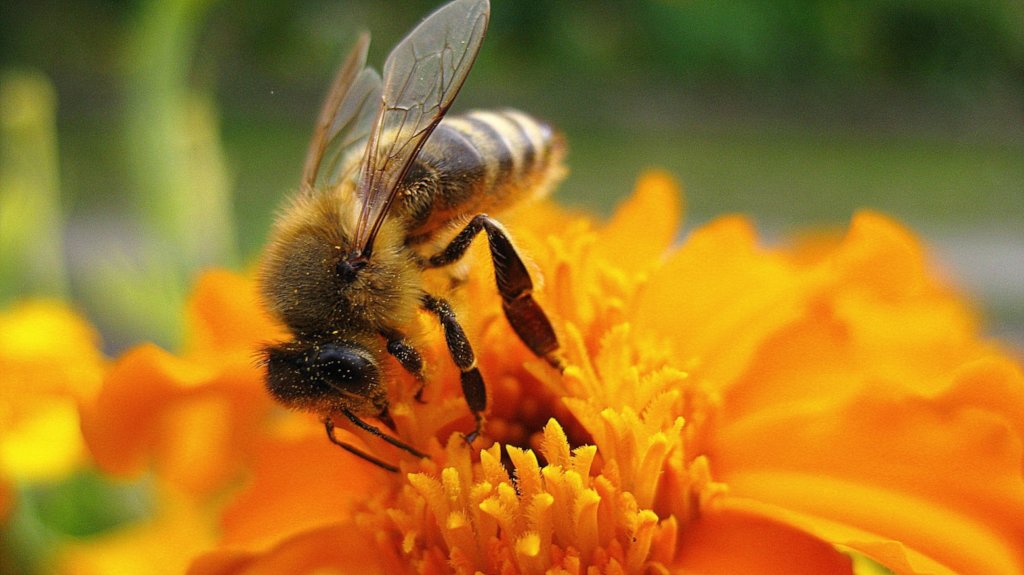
329 426
378 433
525 316
462 354
408 357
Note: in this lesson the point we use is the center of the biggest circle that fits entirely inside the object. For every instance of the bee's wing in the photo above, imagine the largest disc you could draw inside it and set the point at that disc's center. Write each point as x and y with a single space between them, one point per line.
345 119
421 78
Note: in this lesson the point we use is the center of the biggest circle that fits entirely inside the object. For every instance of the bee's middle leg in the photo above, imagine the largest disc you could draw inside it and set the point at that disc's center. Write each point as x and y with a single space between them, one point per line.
462 354
524 314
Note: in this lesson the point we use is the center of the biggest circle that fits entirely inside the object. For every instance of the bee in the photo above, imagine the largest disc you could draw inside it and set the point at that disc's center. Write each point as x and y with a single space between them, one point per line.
386 175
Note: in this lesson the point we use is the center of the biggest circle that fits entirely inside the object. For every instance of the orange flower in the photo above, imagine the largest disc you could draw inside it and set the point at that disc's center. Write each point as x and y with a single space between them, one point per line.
726 408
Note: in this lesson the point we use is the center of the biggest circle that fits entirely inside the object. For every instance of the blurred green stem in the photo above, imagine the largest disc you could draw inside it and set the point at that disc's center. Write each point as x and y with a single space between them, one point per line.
181 182
31 240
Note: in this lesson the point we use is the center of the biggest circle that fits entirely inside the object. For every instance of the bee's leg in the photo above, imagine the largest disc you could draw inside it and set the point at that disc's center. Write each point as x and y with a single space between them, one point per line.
526 317
376 432
408 357
462 354
329 426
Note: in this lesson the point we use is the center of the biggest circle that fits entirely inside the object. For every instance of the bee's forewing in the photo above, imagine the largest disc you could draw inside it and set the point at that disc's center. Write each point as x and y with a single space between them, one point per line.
422 76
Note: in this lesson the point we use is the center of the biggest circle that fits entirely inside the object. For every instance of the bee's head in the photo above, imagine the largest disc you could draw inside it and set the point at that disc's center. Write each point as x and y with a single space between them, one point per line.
324 377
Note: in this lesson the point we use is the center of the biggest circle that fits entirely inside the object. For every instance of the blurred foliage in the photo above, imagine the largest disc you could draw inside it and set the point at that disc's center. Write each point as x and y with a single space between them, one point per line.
945 42
31 250
955 66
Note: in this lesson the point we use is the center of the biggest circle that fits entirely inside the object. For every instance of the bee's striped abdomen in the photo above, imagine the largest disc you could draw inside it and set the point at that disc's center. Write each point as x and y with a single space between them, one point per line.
482 161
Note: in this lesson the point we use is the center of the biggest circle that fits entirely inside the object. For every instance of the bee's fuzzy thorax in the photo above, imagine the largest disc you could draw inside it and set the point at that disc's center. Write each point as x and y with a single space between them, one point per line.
298 271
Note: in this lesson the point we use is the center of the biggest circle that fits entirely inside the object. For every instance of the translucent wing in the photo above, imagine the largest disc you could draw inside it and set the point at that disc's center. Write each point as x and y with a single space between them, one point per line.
345 119
422 76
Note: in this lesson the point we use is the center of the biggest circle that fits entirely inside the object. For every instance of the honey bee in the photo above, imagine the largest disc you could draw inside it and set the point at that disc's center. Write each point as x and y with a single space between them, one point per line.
386 175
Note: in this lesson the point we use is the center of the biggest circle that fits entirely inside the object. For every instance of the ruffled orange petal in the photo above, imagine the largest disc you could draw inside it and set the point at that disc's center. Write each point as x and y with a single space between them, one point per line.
717 298
195 423
644 226
901 321
893 555
941 474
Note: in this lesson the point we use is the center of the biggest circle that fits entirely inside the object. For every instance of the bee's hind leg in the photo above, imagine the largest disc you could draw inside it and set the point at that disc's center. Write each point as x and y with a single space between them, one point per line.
525 316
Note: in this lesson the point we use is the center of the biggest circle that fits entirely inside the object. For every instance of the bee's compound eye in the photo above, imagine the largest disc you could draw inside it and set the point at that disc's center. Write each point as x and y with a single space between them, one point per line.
317 377
345 366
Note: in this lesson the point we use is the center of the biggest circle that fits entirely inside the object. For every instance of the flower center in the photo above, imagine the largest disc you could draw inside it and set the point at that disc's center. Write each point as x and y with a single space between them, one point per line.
617 501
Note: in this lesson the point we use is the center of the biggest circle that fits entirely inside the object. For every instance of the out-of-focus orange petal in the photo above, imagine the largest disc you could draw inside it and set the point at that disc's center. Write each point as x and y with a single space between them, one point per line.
193 417
730 541
941 474
902 323
882 256
336 548
297 485
644 226
194 422
717 297
225 315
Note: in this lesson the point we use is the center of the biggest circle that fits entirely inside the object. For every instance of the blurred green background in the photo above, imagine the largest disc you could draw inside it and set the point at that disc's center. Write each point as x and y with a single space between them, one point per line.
177 127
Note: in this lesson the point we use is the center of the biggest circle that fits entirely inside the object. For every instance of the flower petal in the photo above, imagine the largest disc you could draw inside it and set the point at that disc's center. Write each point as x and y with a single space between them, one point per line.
940 474
335 548
892 554
195 422
225 315
50 360
731 541
644 226
297 485
717 297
